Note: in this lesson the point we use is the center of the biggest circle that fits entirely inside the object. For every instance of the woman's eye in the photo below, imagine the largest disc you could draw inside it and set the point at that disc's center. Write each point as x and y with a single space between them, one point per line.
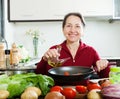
78 26
68 26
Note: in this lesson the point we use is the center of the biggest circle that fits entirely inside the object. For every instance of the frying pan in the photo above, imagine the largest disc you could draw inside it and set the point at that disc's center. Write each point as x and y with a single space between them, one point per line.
76 73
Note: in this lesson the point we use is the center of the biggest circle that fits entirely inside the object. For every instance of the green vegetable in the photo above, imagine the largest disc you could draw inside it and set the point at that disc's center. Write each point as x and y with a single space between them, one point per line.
24 54
45 83
4 82
16 84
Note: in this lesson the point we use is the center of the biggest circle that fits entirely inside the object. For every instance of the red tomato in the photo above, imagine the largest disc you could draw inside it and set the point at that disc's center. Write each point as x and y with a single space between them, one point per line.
66 73
56 88
92 85
69 93
81 89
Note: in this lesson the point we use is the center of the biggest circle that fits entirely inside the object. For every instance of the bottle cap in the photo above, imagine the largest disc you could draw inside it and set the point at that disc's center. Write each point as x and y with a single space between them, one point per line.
7 52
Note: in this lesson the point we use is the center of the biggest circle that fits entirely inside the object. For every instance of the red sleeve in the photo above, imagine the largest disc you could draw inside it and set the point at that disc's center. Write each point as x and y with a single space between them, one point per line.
41 67
104 73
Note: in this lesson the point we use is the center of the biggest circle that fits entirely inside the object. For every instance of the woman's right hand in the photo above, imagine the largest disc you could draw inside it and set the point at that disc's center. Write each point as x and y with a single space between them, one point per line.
51 54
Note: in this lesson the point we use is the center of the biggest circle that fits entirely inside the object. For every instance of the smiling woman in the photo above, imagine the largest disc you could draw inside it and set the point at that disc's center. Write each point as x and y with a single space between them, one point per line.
81 54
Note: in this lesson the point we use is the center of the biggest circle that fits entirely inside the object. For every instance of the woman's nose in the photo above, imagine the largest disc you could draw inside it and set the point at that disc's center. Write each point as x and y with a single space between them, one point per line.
73 29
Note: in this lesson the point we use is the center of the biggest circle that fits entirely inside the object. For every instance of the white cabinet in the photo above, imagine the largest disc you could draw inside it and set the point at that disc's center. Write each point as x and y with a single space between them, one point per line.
46 10
116 9
98 7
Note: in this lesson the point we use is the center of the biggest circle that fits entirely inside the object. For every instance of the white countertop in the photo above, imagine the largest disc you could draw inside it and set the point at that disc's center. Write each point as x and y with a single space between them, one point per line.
110 57
32 62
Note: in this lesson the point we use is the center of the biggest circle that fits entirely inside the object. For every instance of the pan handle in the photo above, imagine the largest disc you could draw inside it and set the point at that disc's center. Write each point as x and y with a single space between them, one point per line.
112 63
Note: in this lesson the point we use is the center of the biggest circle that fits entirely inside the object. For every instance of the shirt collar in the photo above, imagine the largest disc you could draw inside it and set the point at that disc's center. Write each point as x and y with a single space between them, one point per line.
82 45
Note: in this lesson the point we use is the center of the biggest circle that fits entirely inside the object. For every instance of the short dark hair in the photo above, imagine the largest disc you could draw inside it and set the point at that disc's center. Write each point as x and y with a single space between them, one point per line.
75 14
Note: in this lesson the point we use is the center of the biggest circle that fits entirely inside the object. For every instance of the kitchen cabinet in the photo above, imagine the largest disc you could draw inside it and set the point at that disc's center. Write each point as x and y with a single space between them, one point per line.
54 10
98 8
116 9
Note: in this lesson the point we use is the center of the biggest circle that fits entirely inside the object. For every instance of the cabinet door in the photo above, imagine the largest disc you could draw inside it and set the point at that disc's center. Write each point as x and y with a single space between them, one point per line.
116 9
41 10
98 7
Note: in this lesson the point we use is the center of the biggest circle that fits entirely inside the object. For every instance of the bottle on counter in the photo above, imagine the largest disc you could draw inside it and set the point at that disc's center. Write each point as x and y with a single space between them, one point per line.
14 58
7 58
2 56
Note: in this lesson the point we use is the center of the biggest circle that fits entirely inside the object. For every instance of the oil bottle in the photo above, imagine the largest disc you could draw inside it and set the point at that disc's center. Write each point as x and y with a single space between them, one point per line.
2 56
14 59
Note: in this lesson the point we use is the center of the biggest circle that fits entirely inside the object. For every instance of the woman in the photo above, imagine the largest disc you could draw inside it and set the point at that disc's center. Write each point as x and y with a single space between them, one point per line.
80 54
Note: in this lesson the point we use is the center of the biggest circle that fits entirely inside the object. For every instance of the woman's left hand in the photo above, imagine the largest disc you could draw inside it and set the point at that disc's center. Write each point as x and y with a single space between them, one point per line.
101 64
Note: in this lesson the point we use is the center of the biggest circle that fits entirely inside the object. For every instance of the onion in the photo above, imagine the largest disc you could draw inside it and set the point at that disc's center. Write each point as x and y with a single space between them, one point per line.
30 94
37 90
94 94
54 95
112 91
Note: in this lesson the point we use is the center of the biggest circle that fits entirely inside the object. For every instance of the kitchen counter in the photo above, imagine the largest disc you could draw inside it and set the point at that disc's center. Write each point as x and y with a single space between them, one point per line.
21 68
33 61
110 57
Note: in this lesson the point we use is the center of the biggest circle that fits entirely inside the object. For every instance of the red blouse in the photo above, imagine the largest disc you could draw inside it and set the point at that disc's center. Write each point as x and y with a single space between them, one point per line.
85 56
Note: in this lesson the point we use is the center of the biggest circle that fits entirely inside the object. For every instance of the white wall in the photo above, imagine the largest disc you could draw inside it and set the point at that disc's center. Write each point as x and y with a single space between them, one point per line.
101 34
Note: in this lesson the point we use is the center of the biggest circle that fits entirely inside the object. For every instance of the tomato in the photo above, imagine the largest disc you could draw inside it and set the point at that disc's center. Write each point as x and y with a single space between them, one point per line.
69 93
56 88
81 88
66 73
92 85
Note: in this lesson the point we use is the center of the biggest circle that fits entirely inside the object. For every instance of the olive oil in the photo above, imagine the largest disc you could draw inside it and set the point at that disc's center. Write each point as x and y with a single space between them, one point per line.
54 64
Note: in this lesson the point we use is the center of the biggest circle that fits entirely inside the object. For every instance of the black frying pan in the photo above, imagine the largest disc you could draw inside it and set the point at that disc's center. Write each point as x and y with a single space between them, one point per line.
75 73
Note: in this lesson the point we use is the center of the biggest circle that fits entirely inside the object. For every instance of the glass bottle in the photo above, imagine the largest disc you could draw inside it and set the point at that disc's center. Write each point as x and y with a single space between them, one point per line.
14 55
2 56
7 58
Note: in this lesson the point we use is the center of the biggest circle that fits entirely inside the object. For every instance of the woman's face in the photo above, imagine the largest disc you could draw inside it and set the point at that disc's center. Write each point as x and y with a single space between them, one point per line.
73 29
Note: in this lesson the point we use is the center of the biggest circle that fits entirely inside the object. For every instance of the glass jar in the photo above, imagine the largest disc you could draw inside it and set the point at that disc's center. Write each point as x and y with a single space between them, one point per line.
114 75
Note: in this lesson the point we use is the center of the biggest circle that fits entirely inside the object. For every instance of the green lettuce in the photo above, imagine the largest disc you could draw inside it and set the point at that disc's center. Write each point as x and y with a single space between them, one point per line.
16 84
